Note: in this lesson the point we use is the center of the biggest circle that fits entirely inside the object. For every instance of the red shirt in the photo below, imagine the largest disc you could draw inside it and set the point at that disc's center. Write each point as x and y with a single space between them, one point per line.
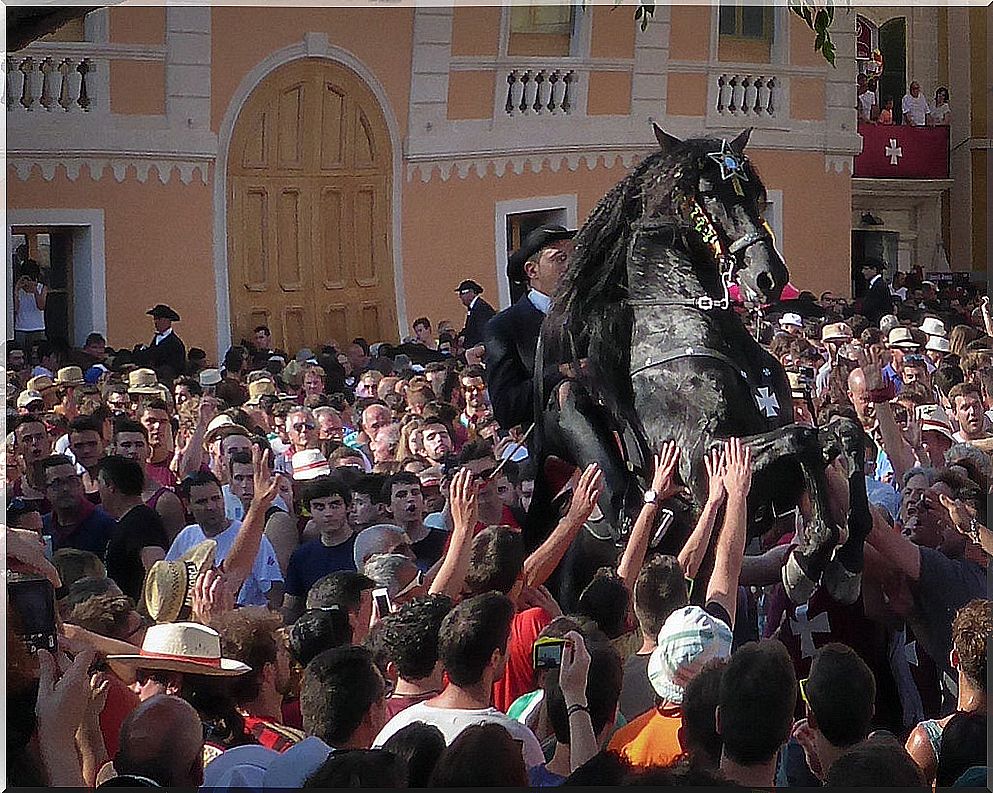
121 700
518 677
161 474
271 735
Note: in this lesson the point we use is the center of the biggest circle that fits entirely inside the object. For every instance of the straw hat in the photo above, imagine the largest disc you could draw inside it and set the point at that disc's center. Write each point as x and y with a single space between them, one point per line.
933 327
26 398
790 318
310 464
168 590
187 647
144 381
221 426
938 344
258 389
836 332
259 374
40 383
210 377
934 418
69 375
902 338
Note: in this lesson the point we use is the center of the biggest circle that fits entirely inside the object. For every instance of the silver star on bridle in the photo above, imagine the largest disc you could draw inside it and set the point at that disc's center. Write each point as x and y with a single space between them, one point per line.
731 163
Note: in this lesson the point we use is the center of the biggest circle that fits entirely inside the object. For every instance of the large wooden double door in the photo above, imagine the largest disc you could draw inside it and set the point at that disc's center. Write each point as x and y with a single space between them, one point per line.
309 210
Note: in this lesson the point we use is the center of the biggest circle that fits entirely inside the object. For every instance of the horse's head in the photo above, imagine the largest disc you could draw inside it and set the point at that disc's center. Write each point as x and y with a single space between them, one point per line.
723 199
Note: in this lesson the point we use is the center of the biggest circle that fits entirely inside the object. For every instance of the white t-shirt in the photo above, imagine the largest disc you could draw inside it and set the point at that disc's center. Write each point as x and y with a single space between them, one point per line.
866 101
452 721
265 571
918 109
29 317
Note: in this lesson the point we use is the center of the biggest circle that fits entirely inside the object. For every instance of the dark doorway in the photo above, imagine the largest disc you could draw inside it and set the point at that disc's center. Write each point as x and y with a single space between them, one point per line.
893 80
51 247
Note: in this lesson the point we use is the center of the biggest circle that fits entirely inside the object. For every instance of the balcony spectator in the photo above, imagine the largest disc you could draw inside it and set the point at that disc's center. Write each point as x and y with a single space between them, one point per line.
30 297
868 110
941 116
886 114
916 108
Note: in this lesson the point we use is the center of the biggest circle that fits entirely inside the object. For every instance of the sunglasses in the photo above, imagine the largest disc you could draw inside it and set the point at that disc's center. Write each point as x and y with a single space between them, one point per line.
416 581
301 426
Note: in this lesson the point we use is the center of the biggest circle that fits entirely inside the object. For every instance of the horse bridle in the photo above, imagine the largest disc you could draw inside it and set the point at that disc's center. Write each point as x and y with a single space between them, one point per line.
728 260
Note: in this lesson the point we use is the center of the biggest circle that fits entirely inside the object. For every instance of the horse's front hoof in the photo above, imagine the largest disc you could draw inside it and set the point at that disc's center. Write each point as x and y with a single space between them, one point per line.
799 586
841 584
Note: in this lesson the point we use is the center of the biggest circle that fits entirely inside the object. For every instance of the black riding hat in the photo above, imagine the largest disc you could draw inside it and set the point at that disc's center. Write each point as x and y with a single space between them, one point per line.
534 242
163 311
469 286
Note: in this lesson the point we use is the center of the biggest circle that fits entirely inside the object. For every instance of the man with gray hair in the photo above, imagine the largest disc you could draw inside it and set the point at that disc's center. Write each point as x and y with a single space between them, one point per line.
382 538
301 429
397 574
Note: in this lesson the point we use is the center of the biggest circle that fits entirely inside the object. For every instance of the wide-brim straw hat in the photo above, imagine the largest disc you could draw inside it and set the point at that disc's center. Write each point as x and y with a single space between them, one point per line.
836 332
69 375
168 589
258 389
40 383
144 381
186 647
902 338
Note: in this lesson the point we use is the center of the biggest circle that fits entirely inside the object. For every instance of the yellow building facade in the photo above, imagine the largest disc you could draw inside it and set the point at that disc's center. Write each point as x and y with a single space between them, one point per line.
336 172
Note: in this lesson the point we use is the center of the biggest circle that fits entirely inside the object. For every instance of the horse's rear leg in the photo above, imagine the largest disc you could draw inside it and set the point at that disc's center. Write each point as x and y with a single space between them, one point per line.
843 574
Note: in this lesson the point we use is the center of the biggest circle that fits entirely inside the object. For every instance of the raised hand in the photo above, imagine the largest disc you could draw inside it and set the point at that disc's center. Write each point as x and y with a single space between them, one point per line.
586 495
207 409
871 364
737 467
211 596
266 484
463 500
664 478
714 463
575 669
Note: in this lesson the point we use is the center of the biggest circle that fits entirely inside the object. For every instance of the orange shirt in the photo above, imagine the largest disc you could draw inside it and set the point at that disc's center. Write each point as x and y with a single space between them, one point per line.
652 739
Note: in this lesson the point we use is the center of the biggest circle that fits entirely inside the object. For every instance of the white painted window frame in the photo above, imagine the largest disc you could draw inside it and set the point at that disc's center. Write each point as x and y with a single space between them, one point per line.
517 206
89 267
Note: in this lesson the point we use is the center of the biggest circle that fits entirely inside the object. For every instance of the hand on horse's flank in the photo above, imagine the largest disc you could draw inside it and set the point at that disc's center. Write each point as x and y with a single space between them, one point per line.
737 463
586 495
714 463
664 479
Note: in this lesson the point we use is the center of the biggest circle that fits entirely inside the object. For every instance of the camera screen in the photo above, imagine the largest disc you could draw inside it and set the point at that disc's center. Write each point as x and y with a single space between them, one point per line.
383 604
548 655
34 603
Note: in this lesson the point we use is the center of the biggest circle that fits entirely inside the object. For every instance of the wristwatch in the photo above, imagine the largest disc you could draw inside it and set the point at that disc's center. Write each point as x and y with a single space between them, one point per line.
650 496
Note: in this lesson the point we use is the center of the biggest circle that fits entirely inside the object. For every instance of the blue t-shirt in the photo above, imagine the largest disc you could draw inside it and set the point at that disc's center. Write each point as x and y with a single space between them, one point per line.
92 533
540 776
313 560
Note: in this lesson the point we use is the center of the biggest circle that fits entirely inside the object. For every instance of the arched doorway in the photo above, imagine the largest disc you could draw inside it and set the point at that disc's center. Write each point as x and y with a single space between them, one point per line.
309 209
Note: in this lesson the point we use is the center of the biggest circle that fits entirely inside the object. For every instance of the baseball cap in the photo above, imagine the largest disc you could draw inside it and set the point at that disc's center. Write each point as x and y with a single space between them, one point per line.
689 639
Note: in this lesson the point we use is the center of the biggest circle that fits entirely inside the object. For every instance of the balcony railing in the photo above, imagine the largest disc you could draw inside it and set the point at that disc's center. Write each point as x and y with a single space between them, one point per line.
53 82
747 95
536 91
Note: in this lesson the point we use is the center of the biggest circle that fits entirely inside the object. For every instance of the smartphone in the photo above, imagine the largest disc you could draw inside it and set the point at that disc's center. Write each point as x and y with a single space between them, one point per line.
381 597
33 602
547 652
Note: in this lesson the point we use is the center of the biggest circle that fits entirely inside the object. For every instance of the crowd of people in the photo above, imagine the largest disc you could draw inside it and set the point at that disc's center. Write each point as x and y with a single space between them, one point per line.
314 568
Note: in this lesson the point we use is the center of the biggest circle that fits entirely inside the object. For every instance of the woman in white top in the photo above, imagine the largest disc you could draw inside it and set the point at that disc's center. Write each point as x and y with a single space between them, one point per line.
30 296
941 116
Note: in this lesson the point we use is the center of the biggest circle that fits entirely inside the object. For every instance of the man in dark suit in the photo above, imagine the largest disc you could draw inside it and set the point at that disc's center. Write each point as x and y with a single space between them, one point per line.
167 353
478 313
512 335
877 299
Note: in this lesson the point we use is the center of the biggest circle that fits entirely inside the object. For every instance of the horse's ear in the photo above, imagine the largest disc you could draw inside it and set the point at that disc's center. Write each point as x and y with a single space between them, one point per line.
666 141
739 143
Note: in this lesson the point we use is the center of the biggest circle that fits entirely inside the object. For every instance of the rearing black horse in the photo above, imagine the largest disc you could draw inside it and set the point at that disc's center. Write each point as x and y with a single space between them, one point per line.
658 354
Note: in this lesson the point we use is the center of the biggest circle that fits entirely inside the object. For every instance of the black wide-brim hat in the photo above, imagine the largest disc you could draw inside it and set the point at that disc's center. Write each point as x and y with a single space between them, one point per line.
162 311
534 242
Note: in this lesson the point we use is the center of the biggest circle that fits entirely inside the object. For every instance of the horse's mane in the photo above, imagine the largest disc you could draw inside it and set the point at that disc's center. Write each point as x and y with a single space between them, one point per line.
590 302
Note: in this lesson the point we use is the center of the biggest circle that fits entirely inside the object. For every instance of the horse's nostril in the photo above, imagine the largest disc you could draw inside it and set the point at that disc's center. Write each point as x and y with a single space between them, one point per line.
764 282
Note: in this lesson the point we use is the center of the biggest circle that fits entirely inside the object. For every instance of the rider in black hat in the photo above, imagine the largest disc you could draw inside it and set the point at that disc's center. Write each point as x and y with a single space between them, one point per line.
478 312
512 335
166 354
